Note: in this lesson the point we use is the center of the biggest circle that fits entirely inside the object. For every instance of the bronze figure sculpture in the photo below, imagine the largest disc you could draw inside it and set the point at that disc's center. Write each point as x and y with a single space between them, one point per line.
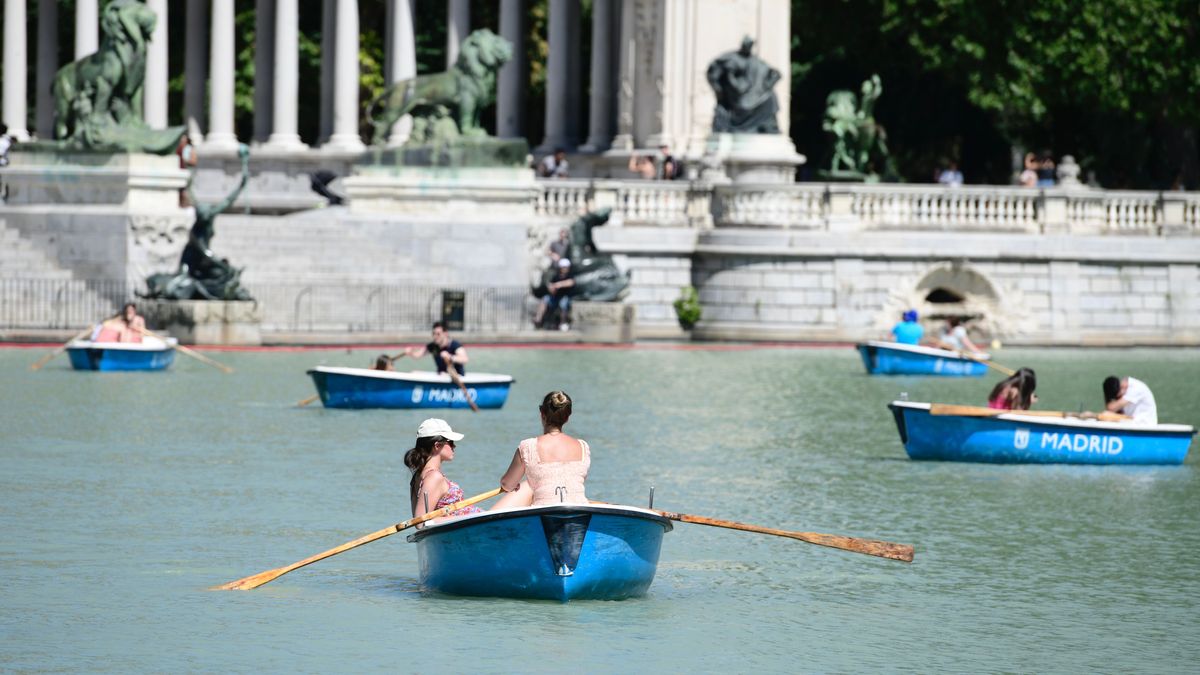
444 105
744 85
201 274
597 277
860 143
98 99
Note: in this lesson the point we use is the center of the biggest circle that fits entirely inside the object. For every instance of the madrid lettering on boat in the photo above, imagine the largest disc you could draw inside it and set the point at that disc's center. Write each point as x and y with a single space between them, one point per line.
1106 445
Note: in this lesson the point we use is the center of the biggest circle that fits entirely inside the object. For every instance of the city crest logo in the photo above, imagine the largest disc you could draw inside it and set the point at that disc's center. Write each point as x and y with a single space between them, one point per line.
1021 439
417 392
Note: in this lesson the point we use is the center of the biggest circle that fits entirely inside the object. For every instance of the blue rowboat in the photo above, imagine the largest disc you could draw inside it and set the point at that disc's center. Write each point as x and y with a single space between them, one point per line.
894 358
1024 437
559 552
366 388
150 354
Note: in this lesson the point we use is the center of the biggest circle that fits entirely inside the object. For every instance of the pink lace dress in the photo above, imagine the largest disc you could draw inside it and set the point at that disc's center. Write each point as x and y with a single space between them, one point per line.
555 482
454 494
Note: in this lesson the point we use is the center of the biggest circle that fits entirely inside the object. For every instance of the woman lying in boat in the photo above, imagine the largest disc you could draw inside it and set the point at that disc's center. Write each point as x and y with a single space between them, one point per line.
554 464
1014 392
430 489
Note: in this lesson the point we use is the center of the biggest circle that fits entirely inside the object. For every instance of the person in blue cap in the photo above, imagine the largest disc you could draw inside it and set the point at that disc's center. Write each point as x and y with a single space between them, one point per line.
908 331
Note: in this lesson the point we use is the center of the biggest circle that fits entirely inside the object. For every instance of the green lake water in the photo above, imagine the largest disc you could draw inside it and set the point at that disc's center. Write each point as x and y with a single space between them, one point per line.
125 495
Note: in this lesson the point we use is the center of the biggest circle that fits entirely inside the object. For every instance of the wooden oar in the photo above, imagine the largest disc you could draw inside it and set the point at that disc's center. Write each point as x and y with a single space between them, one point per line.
990 364
314 397
256 580
882 549
190 352
46 359
977 411
458 380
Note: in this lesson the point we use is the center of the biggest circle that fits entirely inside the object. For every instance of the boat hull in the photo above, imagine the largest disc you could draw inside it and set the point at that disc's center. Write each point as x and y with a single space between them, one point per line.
561 552
882 358
97 357
1015 438
341 388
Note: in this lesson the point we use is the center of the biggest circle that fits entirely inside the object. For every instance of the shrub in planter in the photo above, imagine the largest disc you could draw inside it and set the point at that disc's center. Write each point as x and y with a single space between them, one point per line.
687 307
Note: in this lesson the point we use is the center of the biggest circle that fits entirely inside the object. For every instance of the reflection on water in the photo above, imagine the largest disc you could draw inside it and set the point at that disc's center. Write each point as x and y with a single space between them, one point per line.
127 494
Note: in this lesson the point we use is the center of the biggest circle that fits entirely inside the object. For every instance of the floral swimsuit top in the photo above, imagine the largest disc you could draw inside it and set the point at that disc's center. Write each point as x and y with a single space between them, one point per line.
454 494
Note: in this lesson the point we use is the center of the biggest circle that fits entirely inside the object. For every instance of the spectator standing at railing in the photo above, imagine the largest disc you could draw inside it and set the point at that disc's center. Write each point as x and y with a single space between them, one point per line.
671 168
555 165
1028 177
1045 170
643 166
950 176
6 143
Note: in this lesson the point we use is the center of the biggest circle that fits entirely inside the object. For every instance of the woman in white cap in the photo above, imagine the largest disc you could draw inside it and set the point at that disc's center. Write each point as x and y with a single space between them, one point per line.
430 489
554 464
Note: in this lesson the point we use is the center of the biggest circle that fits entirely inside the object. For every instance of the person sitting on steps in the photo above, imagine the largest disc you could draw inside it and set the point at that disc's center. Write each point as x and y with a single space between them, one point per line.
558 297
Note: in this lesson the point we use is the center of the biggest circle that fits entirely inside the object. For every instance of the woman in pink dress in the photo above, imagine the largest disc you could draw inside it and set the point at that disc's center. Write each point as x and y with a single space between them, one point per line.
554 465
430 489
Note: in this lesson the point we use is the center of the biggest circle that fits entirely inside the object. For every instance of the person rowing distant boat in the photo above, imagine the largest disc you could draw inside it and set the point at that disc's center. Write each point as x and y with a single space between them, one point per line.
1130 396
128 327
908 331
443 349
1014 392
954 337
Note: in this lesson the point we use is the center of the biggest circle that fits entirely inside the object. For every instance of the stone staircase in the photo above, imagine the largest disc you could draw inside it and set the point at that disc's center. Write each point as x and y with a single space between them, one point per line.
37 294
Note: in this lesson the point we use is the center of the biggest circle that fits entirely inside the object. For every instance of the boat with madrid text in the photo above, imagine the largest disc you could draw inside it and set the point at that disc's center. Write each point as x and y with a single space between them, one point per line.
894 358
368 388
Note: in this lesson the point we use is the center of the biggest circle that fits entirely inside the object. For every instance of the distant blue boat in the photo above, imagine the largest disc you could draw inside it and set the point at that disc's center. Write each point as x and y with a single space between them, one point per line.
559 552
150 354
894 358
366 388
1021 437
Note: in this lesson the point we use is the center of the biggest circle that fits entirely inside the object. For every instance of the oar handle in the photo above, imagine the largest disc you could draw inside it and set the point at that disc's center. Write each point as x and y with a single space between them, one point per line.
256 580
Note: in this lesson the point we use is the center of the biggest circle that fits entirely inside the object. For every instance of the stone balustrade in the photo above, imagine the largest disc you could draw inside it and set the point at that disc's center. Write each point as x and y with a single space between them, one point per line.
845 207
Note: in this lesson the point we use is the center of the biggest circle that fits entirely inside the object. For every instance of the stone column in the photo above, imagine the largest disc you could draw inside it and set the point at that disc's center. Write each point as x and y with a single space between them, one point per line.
328 40
287 77
47 64
264 68
513 76
195 69
626 77
562 78
220 133
401 63
87 27
345 82
14 69
458 24
602 111
154 92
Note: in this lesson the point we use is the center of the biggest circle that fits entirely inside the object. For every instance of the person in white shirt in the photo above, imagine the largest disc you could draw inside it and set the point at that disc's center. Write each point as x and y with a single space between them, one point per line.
1130 396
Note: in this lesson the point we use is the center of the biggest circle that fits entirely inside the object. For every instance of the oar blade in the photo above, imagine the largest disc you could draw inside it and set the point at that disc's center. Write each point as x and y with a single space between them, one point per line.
251 582
881 549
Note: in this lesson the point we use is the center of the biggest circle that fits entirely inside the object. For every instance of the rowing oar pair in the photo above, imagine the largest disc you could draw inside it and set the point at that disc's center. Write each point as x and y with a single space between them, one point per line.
882 549
62 348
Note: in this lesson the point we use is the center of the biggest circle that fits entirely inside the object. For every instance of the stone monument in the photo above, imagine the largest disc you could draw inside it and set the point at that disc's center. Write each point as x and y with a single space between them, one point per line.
746 144
203 301
449 163
860 143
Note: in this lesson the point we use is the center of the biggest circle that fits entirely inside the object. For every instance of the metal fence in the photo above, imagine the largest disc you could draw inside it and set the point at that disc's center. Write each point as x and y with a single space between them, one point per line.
59 303
293 308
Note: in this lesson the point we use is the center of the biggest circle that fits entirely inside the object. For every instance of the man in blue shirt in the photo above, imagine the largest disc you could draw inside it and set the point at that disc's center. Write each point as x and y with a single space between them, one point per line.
908 331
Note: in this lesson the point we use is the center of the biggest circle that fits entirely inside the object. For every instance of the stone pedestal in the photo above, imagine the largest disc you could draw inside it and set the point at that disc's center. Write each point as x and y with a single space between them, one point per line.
603 321
387 184
750 158
208 322
136 181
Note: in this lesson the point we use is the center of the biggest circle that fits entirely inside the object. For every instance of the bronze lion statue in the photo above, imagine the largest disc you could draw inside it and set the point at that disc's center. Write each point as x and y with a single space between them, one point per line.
461 92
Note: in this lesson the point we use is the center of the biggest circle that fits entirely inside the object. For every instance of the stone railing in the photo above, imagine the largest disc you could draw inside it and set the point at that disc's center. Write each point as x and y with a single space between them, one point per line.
852 207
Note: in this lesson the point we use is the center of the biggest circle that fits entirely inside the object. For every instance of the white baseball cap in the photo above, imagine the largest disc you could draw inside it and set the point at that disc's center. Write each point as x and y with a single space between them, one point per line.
435 427
564 262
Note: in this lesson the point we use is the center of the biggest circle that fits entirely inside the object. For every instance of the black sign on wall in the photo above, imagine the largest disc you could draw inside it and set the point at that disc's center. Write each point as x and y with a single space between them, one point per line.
453 305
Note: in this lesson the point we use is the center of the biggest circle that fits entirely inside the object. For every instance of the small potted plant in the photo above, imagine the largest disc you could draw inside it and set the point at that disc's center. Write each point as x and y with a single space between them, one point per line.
687 308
